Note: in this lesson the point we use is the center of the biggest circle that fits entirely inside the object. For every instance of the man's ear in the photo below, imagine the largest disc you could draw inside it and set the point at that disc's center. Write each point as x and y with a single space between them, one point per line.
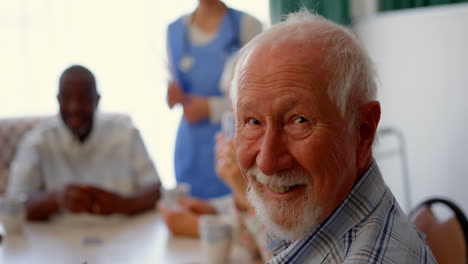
369 116
98 97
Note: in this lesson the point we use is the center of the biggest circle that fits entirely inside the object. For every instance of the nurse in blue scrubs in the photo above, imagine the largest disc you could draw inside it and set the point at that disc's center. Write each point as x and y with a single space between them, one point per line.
198 46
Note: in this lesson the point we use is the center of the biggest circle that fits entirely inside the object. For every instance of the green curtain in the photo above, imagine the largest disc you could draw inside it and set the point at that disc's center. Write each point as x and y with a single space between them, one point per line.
387 5
336 10
339 10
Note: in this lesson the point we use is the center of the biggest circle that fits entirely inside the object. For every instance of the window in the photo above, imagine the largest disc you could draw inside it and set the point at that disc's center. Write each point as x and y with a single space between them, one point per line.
121 42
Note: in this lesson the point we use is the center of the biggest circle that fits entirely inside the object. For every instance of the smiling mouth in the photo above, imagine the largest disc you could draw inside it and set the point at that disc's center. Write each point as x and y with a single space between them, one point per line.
75 122
282 189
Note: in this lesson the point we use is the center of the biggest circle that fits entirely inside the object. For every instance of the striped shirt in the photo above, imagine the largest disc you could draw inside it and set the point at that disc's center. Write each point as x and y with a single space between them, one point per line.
367 227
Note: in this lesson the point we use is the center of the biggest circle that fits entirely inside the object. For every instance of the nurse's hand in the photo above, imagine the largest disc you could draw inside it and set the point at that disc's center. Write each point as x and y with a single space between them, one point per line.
196 108
180 221
196 205
175 94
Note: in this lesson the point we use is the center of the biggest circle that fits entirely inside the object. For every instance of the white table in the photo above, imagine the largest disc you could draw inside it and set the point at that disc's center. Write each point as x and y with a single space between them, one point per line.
138 239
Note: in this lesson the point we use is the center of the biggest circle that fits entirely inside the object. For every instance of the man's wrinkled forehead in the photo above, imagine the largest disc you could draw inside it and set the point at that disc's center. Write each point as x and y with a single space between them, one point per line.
267 59
289 52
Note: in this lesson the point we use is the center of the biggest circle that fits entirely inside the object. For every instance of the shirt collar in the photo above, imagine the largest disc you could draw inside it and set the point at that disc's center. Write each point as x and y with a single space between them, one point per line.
358 204
70 141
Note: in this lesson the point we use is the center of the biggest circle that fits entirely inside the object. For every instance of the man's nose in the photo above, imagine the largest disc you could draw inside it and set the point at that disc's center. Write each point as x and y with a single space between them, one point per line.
274 152
73 106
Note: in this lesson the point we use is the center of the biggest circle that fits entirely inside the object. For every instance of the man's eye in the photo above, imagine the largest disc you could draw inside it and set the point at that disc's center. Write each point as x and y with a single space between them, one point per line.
254 121
300 120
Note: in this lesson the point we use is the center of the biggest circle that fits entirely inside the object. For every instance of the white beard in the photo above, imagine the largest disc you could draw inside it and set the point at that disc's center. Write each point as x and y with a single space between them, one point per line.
288 219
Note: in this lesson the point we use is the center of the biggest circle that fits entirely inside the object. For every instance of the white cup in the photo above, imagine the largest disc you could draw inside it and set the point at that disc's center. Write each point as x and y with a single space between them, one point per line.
12 213
170 196
216 239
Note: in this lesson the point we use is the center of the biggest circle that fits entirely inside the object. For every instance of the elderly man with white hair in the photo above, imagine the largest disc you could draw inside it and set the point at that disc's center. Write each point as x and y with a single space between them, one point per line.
304 97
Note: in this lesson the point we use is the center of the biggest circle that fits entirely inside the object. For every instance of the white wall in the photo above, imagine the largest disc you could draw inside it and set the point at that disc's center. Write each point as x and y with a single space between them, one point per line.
422 59
362 8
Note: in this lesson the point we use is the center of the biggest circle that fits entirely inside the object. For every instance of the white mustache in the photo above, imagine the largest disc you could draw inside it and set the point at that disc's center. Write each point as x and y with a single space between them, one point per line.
291 178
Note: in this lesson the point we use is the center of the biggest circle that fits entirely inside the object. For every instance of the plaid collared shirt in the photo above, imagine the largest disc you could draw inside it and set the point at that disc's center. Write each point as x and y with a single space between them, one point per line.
367 227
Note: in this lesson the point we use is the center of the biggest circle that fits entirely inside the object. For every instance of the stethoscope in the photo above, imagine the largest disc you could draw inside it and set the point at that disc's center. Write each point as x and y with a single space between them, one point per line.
187 61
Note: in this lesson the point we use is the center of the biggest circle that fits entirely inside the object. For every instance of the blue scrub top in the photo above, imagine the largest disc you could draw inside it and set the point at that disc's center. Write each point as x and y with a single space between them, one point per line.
194 151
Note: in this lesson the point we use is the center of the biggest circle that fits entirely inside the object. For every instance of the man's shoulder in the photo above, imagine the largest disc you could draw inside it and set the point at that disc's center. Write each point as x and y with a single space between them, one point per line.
40 133
384 235
387 235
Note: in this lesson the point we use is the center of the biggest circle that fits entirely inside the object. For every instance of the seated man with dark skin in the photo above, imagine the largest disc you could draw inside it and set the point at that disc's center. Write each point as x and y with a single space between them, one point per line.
83 161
